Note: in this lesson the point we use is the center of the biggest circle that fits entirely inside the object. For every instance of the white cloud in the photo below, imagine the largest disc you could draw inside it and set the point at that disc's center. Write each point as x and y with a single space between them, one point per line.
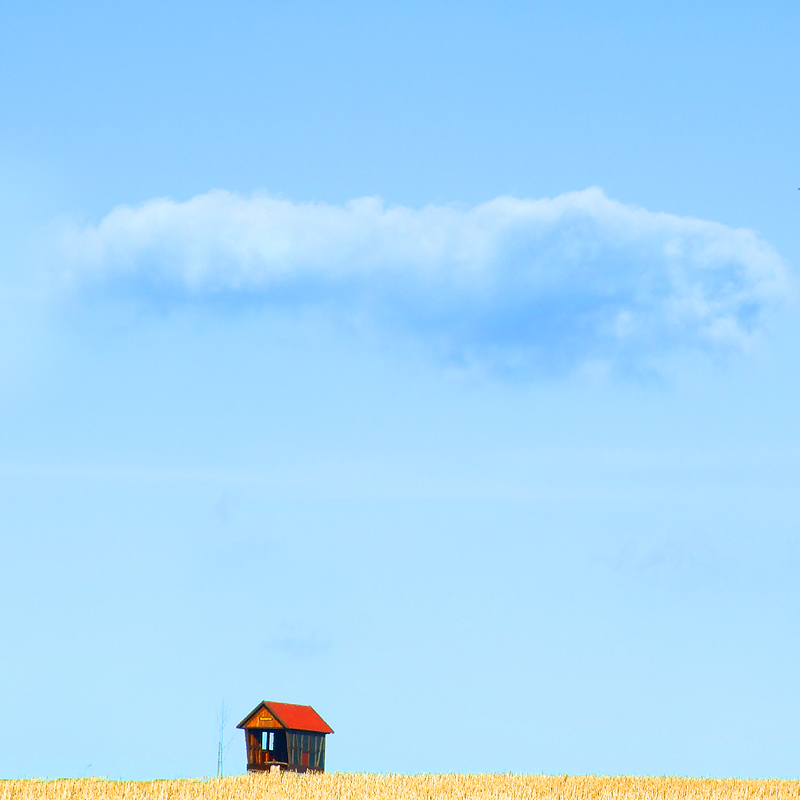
529 285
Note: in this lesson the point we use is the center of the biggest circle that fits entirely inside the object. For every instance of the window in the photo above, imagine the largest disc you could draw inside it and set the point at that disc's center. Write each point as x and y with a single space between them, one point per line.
268 740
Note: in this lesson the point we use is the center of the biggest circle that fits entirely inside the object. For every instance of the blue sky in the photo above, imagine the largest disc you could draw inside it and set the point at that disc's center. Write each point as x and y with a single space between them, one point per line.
431 363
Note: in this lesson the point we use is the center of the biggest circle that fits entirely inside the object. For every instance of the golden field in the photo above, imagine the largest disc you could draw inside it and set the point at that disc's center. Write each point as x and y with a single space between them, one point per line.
363 786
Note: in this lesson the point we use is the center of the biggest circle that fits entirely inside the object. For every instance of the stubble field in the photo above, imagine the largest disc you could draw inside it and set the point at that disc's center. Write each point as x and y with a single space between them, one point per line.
360 786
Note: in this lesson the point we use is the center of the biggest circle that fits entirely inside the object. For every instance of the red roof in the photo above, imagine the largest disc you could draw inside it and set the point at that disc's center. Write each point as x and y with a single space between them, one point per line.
292 716
299 718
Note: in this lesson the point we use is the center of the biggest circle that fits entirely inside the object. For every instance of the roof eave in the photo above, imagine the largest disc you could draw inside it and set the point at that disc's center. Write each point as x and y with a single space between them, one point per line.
262 703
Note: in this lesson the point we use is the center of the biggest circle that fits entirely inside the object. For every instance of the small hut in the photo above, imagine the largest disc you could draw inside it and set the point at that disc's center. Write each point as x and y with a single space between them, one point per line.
286 736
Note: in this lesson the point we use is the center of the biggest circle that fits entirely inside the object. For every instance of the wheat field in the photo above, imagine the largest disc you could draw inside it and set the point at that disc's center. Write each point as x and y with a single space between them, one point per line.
361 786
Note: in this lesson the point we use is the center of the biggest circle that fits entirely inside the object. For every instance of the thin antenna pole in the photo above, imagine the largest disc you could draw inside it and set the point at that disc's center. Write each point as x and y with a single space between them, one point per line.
222 720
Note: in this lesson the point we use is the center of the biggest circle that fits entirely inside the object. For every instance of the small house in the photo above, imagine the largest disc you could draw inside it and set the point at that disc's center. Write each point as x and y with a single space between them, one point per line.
286 736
